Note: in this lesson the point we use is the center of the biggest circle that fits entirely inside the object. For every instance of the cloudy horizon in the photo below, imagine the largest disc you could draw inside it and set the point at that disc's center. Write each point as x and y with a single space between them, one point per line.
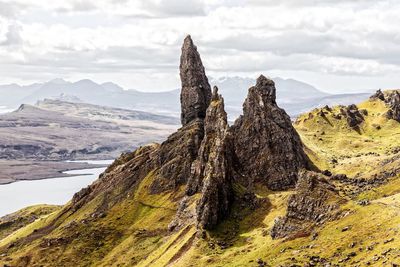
337 46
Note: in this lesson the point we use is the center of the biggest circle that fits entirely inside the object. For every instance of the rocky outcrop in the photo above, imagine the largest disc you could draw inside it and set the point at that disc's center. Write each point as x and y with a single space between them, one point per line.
353 116
196 91
175 156
393 101
378 95
212 171
209 193
314 202
268 148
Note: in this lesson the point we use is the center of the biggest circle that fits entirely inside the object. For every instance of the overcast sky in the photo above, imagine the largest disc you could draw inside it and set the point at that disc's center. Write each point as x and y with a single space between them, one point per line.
335 45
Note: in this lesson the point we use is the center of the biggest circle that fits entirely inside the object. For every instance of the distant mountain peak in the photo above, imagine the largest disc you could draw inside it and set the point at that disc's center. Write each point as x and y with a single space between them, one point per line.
85 81
112 87
58 81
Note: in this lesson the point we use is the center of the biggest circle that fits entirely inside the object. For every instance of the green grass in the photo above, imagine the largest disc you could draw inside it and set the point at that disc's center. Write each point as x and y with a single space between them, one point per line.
358 153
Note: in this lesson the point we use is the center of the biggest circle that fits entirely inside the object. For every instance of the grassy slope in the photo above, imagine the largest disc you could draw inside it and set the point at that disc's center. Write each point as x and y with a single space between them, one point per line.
137 227
17 220
358 153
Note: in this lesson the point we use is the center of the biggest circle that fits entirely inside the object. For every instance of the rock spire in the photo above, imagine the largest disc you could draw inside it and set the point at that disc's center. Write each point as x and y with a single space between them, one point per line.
196 91
267 146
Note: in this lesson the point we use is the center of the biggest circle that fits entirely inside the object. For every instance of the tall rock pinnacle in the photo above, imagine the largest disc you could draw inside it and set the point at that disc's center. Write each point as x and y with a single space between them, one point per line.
268 147
212 169
209 192
196 91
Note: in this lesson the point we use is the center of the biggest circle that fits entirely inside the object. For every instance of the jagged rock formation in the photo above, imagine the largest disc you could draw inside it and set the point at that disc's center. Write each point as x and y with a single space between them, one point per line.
393 101
212 171
196 91
267 146
378 95
314 202
211 176
174 158
353 116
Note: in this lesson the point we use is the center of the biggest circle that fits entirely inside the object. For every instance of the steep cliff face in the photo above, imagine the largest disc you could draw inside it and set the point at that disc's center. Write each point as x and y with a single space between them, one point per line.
196 91
314 202
268 148
212 171
175 156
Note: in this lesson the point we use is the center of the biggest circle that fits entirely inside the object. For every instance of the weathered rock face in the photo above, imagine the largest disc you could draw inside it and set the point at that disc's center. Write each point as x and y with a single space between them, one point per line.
267 146
125 173
314 202
393 101
175 156
196 91
212 172
378 95
353 116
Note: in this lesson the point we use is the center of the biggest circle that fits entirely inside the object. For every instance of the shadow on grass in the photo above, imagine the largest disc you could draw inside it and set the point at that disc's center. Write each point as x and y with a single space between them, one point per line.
242 219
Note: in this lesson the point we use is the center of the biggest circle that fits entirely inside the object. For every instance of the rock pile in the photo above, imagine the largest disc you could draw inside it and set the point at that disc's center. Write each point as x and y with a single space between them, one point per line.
393 101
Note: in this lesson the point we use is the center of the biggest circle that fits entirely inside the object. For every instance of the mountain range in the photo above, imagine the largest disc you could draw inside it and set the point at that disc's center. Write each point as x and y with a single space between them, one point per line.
295 96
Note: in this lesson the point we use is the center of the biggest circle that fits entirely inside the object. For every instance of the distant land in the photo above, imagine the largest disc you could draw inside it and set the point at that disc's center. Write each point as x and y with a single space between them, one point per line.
295 96
53 130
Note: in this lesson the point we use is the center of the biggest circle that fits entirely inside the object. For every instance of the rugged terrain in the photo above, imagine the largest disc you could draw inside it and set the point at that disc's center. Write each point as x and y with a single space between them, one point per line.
58 131
261 192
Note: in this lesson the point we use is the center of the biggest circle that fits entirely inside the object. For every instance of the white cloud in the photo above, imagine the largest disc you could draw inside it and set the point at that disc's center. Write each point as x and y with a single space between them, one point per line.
87 38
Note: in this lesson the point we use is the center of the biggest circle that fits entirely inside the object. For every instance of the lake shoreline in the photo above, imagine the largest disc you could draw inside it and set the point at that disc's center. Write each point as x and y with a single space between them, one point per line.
13 171
52 191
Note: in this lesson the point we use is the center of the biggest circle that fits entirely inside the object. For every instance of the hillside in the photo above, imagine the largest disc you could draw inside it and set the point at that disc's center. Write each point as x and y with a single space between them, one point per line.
259 192
33 137
360 141
34 131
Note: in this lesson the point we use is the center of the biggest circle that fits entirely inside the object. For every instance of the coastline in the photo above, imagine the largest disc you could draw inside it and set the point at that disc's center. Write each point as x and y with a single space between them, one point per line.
27 170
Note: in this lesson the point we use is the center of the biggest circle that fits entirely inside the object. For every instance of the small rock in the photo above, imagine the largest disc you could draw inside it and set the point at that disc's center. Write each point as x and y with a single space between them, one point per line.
261 263
346 228
352 254
388 240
